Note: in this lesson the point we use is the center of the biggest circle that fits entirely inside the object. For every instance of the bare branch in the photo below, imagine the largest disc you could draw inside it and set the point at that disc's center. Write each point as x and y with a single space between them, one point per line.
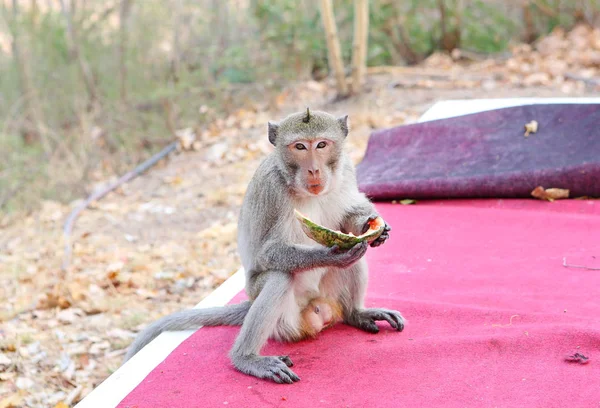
97 195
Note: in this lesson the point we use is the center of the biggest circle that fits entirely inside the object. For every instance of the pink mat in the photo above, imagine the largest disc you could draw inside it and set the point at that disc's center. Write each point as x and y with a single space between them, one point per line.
492 313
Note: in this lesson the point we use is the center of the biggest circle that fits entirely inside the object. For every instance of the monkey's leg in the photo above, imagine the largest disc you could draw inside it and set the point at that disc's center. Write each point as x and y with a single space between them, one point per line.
359 316
258 325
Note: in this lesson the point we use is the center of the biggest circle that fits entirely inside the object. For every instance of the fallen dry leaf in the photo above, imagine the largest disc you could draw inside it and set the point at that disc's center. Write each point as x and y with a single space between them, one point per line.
578 358
12 401
550 194
531 127
186 138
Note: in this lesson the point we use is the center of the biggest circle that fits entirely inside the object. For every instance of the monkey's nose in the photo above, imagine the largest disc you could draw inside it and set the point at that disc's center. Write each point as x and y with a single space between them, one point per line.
314 173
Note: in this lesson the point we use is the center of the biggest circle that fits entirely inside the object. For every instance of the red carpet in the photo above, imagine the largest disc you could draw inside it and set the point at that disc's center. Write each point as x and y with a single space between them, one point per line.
458 271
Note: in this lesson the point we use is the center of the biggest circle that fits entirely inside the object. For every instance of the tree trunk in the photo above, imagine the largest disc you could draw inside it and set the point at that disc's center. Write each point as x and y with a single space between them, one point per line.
75 53
176 56
31 101
359 47
531 33
333 46
124 11
450 39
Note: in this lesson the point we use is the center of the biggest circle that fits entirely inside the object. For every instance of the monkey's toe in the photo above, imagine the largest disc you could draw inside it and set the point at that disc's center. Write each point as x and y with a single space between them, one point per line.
369 326
393 317
277 369
287 360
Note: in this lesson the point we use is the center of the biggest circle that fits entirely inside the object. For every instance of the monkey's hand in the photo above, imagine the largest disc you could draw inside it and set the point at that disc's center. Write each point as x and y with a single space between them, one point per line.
345 259
365 319
274 368
383 237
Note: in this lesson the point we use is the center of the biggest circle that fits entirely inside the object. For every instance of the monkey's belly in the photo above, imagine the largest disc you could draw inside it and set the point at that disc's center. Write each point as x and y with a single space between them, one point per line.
306 288
306 285
288 325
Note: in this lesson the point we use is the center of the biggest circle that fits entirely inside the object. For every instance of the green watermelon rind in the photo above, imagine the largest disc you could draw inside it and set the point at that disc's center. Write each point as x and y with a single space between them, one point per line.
329 238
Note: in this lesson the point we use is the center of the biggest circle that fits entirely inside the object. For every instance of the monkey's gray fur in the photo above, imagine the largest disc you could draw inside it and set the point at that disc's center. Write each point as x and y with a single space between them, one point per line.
192 319
284 268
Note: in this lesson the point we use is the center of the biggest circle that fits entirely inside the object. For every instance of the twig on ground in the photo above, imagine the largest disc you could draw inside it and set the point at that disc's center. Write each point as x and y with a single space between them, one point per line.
97 195
590 268
506 325
73 395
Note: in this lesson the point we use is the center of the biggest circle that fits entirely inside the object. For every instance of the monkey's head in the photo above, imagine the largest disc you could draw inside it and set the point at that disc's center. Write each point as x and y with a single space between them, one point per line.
320 314
309 145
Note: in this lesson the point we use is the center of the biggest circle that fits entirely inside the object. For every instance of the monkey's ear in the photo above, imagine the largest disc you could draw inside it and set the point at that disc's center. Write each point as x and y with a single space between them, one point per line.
343 121
273 129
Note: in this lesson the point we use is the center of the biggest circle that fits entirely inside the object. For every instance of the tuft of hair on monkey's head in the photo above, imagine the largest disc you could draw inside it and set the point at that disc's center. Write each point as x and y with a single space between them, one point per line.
308 125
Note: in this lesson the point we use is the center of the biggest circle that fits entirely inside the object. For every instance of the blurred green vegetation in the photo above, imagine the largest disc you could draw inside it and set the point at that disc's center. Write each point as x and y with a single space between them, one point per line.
181 54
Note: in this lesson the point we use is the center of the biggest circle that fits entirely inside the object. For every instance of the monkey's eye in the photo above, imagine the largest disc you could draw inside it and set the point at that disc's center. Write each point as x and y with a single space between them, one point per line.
300 146
317 310
321 145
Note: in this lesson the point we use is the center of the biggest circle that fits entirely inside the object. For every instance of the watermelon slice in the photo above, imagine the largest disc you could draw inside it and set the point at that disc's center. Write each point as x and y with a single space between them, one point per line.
329 238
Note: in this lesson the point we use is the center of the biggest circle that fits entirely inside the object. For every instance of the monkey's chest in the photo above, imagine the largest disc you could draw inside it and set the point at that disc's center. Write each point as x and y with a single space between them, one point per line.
323 212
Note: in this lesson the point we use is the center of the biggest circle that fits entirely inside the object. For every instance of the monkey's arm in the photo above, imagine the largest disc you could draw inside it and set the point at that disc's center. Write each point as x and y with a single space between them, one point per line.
281 256
358 217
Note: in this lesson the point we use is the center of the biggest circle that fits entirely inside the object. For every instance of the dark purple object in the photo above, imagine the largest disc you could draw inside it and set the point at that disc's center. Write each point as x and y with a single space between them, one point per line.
486 155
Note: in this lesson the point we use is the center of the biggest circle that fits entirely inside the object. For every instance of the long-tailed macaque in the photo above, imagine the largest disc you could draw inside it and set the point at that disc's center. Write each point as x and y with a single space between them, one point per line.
318 315
310 171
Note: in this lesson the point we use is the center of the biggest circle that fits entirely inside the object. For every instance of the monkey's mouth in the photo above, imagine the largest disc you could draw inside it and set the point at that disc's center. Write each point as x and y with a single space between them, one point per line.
315 188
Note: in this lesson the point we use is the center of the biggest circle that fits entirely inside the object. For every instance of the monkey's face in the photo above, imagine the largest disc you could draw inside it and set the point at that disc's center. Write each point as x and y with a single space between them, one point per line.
312 163
318 316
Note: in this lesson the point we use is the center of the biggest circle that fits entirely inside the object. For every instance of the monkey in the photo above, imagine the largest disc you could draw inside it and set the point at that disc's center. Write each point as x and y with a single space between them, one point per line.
310 171
318 315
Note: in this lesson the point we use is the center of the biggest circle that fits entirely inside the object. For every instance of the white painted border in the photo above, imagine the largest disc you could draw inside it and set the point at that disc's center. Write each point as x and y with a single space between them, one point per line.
116 387
458 107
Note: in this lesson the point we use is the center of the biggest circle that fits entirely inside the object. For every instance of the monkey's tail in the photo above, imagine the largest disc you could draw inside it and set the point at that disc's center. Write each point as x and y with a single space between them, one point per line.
192 319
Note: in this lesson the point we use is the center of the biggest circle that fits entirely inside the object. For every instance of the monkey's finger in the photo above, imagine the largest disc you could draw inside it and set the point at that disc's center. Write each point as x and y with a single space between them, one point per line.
382 238
358 250
367 223
376 243
387 228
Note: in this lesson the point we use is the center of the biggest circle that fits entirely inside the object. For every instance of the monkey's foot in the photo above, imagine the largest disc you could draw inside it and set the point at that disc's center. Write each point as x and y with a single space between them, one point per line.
274 368
365 319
